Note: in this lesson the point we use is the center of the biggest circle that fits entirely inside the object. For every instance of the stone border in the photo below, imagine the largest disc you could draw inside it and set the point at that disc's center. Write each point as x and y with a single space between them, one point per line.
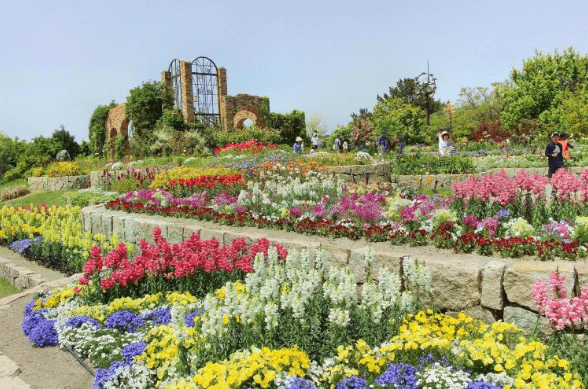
489 290
19 276
59 183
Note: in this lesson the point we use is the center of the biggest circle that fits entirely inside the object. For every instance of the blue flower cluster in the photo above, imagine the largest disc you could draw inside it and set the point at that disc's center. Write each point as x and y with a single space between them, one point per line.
40 330
159 316
503 214
124 321
482 385
399 375
77 321
102 375
300 383
21 246
130 351
352 383
189 319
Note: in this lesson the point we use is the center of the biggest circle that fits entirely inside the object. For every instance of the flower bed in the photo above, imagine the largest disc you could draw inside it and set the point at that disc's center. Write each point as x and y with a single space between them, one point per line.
492 215
252 145
54 236
290 323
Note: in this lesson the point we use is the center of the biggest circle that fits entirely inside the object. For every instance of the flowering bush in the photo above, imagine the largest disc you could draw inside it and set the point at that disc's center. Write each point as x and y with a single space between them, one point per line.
193 265
252 145
161 180
61 169
231 185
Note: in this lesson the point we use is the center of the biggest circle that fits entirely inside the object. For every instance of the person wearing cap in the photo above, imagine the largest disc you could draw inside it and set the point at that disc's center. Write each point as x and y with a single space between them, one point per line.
298 145
445 146
553 152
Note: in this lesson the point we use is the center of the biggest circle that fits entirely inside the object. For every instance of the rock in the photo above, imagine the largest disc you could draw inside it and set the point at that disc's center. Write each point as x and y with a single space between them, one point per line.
392 261
526 320
63 155
520 277
582 274
175 233
96 220
455 283
492 278
118 227
107 224
478 313
190 230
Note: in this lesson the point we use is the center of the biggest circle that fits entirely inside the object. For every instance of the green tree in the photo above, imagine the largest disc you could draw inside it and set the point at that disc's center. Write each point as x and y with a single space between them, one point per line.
315 124
145 105
63 140
571 113
399 118
407 90
96 128
539 86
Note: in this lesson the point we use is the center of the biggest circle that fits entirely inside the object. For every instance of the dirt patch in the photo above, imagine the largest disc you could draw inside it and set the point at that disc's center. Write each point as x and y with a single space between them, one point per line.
41 368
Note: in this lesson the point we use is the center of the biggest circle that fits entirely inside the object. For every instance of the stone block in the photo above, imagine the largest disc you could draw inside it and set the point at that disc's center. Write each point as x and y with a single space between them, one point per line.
299 245
526 320
338 257
36 280
118 226
21 282
137 230
211 233
492 289
520 276
581 270
96 218
107 224
391 260
455 284
190 230
479 313
175 233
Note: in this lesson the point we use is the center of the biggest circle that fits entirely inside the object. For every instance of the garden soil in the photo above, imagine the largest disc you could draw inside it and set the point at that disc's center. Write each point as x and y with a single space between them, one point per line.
40 368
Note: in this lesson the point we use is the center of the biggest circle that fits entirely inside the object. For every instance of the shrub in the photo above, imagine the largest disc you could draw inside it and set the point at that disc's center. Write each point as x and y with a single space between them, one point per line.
244 134
161 180
37 172
81 200
429 164
13 193
61 169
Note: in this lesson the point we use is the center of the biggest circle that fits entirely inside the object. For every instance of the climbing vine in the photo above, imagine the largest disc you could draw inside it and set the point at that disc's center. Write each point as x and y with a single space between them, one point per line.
97 128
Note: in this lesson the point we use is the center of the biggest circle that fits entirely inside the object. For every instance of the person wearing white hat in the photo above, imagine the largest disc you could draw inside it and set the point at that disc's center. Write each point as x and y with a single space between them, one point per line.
445 146
298 145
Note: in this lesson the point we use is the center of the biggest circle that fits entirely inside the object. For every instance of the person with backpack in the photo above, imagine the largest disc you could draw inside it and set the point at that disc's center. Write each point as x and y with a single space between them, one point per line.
553 152
565 146
337 146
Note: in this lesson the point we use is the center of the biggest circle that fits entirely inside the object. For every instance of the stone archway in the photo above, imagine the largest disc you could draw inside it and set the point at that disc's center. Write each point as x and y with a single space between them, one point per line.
242 116
116 123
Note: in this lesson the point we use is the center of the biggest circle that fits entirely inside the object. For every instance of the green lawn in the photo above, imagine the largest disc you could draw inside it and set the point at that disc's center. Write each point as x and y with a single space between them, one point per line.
6 289
46 197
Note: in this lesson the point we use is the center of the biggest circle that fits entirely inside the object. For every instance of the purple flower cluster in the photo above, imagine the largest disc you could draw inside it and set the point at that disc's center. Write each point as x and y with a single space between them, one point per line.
482 385
159 316
399 375
423 207
471 221
189 319
77 321
224 199
21 246
561 230
300 383
129 352
102 375
38 328
366 207
124 321
352 383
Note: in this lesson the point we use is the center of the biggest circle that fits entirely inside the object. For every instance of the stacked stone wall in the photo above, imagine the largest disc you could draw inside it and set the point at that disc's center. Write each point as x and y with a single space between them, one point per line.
59 183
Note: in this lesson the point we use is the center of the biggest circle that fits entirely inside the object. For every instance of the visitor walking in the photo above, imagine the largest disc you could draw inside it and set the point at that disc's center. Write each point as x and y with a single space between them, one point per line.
337 145
345 146
298 146
553 152
315 141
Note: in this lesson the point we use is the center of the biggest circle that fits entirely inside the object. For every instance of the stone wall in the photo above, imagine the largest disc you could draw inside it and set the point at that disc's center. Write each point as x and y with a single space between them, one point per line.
487 288
116 123
363 174
236 109
59 183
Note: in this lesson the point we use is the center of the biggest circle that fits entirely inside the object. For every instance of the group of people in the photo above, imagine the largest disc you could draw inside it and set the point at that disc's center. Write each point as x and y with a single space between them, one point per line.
342 146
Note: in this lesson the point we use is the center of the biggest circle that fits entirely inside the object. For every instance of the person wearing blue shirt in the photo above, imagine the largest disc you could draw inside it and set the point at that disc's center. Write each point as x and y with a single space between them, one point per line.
553 152
383 143
298 145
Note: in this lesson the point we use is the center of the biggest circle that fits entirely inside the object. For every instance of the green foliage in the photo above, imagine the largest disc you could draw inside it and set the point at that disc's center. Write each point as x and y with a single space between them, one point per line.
571 113
399 118
419 164
406 90
97 130
145 106
221 138
540 85
63 140
120 143
290 125
83 199
6 288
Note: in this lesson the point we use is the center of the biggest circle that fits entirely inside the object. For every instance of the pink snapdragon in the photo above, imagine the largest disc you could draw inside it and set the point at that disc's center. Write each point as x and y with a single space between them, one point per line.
559 310
565 183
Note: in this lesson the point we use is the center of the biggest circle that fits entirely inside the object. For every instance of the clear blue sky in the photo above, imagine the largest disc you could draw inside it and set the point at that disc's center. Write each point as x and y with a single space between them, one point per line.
60 59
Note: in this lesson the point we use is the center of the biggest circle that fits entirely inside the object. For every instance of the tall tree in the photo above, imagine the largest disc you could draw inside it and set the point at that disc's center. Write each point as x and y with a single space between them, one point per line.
407 89
539 85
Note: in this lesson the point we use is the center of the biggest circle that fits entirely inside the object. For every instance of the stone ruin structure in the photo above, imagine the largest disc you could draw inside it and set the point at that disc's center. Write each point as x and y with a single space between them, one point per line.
200 92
